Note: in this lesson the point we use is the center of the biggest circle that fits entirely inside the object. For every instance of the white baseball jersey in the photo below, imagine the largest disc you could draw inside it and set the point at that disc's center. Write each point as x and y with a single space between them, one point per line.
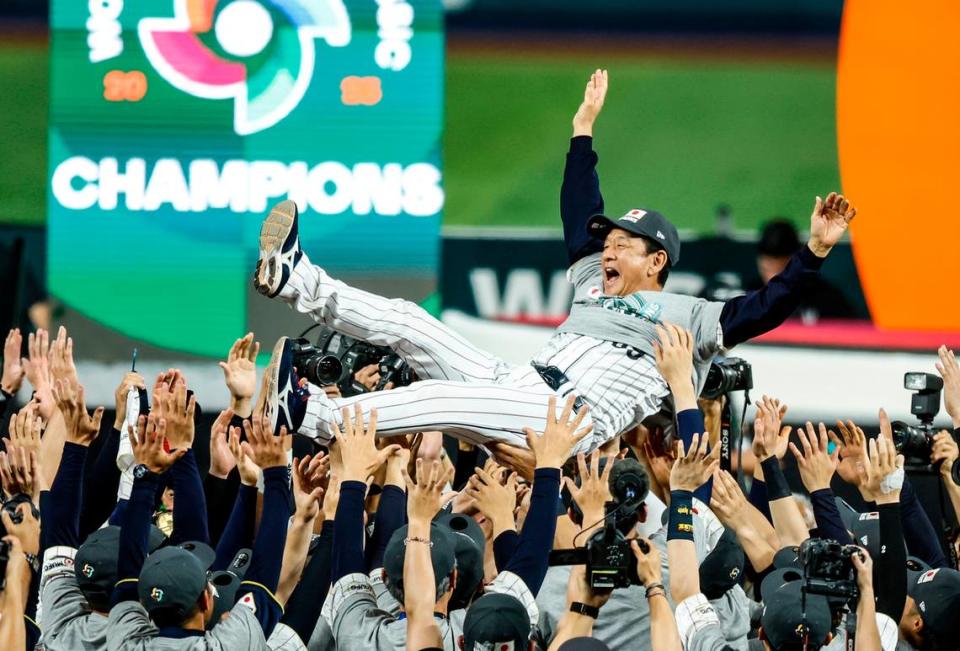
477 397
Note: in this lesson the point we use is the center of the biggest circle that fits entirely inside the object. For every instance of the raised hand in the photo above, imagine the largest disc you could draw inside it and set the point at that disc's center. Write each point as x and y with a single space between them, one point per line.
263 448
945 452
82 428
423 495
884 475
20 472
950 372
249 471
309 479
37 368
593 97
25 428
358 447
178 410
561 435
496 500
594 490
727 500
830 219
13 371
768 437
26 531
61 358
694 467
369 376
816 465
674 355
130 379
853 453
240 373
150 445
520 460
648 562
221 460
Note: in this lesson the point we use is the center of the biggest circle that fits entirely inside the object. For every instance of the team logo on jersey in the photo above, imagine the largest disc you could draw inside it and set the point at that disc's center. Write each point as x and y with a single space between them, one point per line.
260 53
156 594
87 570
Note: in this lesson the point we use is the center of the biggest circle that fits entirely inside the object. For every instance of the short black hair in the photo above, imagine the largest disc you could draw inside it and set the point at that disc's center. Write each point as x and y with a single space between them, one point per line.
778 239
652 247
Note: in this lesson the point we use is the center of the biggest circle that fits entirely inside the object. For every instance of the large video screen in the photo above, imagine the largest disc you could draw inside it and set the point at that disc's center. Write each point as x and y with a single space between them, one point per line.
176 124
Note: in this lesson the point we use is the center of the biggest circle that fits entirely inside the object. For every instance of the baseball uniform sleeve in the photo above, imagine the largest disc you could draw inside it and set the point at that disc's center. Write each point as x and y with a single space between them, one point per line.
585 274
580 198
241 630
129 627
62 599
698 625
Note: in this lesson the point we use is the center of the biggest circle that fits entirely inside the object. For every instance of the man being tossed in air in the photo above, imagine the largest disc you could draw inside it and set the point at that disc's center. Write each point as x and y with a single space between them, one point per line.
603 353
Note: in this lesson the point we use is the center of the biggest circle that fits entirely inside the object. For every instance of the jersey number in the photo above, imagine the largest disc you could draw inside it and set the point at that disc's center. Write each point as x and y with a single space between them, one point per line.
632 351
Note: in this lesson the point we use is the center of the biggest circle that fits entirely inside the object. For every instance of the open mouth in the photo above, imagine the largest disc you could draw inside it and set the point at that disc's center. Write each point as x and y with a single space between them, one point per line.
610 275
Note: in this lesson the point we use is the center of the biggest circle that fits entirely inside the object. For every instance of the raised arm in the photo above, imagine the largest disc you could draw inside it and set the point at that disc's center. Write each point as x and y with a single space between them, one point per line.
760 311
816 467
580 196
787 519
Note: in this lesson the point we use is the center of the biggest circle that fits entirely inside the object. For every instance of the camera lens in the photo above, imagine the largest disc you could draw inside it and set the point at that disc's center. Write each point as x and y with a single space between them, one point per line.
911 442
323 370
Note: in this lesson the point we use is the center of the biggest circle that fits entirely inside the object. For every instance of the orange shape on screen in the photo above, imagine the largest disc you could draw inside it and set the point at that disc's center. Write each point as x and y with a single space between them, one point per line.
360 91
898 128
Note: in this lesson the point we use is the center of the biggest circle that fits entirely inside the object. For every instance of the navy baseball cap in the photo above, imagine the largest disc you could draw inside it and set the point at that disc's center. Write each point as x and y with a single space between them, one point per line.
442 554
173 578
468 546
784 622
496 621
937 595
722 567
95 564
648 223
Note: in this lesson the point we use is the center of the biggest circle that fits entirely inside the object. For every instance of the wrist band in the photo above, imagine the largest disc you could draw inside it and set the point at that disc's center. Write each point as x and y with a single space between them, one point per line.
777 486
583 609
416 539
653 586
681 516
892 482
660 593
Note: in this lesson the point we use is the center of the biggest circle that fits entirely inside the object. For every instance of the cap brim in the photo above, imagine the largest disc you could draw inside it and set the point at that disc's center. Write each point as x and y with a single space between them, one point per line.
202 551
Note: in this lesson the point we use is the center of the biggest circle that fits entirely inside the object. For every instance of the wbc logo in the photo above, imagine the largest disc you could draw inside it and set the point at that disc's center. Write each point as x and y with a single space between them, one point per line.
259 53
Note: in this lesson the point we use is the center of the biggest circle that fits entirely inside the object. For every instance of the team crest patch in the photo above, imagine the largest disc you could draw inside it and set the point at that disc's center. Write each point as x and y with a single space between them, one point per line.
634 216
927 576
87 570
156 594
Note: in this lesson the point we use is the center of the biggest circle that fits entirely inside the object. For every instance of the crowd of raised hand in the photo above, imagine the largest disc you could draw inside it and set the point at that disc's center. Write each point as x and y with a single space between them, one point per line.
116 537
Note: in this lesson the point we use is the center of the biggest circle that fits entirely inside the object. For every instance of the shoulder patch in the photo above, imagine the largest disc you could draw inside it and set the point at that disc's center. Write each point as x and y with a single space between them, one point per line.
249 602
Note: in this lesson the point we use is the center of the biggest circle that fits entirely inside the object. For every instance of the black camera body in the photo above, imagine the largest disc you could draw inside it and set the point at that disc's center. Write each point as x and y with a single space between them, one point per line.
726 375
828 569
336 357
915 442
609 561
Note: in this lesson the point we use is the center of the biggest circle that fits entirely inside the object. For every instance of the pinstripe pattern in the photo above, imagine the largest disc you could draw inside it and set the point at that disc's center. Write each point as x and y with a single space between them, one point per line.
464 391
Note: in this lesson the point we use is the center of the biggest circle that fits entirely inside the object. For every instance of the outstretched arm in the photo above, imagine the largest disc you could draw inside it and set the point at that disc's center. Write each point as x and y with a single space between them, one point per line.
580 196
760 311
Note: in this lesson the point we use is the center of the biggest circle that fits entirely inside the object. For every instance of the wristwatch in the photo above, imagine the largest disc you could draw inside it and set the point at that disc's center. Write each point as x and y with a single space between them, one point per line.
583 609
140 471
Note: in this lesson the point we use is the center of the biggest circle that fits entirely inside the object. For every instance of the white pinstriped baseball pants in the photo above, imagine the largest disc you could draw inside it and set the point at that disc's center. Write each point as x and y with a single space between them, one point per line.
464 391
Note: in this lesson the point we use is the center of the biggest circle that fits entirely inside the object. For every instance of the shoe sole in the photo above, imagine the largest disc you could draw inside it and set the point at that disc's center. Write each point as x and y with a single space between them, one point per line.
271 380
274 232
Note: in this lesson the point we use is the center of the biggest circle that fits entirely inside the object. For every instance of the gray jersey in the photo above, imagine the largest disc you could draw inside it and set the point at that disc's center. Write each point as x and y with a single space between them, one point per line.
67 623
630 320
130 629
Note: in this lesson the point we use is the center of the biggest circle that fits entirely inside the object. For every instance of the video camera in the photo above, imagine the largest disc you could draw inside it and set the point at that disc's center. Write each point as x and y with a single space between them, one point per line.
609 561
828 570
915 442
726 375
335 358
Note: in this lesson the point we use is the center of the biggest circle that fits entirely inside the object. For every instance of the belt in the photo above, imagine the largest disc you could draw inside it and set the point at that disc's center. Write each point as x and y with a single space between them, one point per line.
559 382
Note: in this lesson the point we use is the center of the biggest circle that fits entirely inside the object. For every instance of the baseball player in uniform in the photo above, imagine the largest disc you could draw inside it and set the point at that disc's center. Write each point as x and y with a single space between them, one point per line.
603 353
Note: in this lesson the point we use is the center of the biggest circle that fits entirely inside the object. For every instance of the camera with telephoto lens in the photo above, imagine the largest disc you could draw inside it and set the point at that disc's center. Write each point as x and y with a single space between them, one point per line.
915 442
726 375
828 569
335 358
609 560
